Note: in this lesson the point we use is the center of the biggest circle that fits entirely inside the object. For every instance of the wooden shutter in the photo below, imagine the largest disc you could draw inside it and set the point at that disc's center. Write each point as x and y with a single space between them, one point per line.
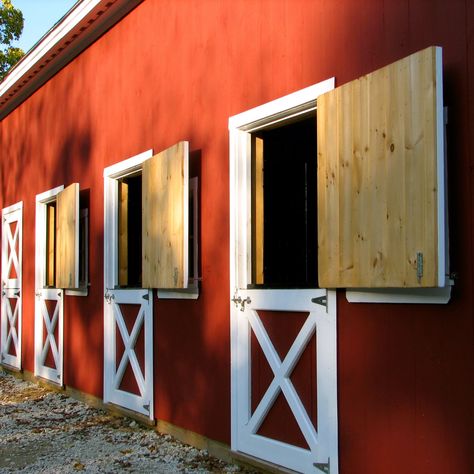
165 218
123 233
381 178
67 237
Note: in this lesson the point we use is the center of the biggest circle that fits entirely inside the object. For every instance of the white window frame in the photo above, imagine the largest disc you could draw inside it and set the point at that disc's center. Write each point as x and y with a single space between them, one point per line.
282 110
111 175
40 248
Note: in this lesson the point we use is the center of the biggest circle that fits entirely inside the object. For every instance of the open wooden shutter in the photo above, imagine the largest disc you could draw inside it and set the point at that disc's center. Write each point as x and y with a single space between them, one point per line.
67 237
381 178
165 218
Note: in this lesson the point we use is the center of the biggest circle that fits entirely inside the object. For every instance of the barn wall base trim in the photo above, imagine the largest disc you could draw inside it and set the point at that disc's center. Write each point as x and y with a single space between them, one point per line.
214 448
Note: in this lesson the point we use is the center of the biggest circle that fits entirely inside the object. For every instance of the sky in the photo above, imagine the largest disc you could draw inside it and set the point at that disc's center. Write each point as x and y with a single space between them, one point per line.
40 16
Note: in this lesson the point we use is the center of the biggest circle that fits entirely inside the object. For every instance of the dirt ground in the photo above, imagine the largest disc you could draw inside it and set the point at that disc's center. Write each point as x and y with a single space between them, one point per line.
47 432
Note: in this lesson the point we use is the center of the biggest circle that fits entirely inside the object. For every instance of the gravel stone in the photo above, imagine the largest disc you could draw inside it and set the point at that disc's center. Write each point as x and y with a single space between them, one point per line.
47 432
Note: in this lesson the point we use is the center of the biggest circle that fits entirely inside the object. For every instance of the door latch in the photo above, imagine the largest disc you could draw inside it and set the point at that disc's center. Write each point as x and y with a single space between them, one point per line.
237 300
108 296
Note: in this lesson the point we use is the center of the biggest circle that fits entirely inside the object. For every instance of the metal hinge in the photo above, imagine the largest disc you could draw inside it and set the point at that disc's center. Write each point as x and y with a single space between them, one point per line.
322 300
146 297
323 466
147 407
419 266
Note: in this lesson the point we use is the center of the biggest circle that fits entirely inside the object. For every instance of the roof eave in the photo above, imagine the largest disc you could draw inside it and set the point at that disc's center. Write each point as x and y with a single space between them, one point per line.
77 30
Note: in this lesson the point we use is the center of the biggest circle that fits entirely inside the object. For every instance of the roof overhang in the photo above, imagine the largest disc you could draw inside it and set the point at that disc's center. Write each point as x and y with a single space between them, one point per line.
79 28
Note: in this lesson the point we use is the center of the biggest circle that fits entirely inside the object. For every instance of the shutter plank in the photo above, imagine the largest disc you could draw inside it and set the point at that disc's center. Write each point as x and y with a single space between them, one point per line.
378 161
123 233
258 213
67 235
50 244
165 218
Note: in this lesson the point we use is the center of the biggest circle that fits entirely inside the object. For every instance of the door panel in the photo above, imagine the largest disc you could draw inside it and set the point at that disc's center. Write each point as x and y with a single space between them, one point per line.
49 334
310 438
128 349
11 302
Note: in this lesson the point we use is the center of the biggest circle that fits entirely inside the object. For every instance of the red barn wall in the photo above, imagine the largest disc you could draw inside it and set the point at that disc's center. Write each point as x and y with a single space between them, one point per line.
174 70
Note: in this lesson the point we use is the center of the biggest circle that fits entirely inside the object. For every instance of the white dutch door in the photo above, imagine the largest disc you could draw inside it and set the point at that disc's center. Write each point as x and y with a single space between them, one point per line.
128 308
56 269
146 247
11 313
284 394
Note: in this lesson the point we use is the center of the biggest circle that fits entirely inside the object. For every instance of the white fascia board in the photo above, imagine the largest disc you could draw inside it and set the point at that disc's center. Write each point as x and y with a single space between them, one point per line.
32 71
49 41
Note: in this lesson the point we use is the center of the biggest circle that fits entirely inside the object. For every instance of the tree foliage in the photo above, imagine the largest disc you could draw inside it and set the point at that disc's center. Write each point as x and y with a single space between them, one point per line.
11 27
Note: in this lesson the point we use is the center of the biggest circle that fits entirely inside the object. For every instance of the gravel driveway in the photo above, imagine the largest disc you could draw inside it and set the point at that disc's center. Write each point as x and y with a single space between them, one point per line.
47 432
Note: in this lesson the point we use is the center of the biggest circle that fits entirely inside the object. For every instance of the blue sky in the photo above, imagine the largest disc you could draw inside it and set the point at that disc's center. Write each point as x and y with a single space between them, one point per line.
40 16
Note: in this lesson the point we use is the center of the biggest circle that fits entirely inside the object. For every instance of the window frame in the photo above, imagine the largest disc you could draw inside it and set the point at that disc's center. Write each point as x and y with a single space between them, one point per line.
280 111
111 175
42 201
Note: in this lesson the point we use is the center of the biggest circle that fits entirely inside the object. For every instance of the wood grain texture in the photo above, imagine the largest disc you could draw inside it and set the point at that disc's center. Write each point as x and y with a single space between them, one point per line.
67 235
258 213
50 245
377 178
165 218
123 233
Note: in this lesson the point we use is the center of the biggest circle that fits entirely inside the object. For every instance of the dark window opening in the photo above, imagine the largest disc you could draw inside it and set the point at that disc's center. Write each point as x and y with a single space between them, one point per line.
284 206
84 239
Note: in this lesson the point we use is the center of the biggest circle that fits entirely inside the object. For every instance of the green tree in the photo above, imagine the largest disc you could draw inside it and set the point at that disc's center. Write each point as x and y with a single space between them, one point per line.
11 27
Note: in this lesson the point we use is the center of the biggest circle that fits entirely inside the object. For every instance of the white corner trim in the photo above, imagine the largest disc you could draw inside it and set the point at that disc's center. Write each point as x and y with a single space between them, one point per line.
128 165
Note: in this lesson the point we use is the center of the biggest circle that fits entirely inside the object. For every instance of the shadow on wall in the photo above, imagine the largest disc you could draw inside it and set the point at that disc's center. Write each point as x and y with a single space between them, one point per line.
45 145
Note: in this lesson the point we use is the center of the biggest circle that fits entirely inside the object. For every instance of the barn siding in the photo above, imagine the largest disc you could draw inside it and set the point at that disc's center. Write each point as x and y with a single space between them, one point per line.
177 70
